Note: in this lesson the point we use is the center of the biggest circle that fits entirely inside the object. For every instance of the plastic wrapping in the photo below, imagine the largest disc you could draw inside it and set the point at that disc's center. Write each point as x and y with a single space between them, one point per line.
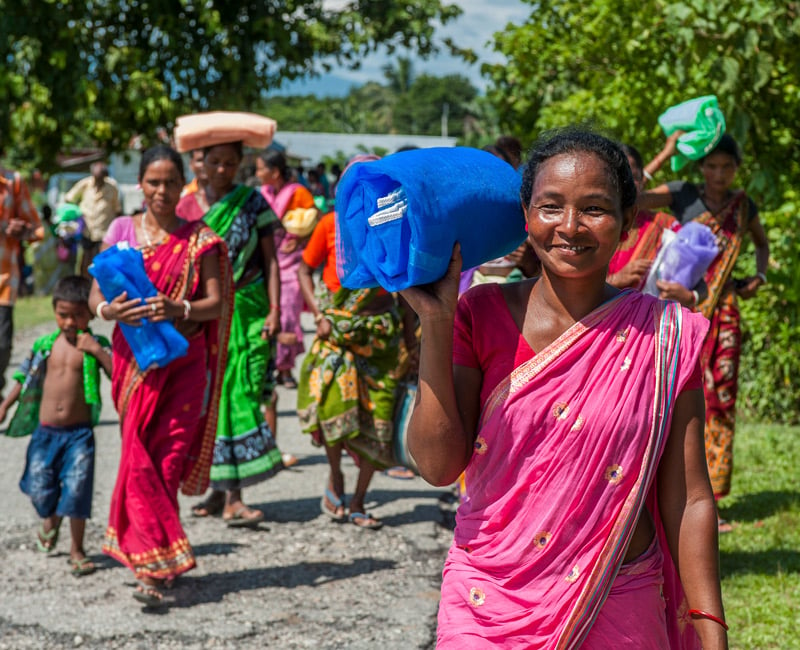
121 268
684 257
398 218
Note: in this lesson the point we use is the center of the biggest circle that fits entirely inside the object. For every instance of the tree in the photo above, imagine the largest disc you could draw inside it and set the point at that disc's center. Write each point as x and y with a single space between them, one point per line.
621 64
420 109
101 71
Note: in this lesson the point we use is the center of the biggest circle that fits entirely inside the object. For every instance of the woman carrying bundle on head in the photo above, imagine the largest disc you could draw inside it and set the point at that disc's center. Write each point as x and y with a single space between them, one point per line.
245 452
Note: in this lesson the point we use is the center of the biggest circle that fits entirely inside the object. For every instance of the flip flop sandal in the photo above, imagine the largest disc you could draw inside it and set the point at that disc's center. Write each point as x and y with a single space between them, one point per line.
210 507
400 472
81 566
46 540
356 517
244 517
148 595
336 502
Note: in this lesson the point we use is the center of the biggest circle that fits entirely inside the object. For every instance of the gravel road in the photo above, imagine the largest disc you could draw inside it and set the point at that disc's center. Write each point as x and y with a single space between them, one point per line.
299 581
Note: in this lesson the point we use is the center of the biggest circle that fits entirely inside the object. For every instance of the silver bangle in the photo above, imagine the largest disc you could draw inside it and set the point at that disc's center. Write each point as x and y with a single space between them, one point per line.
99 310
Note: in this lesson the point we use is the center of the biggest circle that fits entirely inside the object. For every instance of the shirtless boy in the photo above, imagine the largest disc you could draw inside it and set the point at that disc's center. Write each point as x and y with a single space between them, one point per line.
58 389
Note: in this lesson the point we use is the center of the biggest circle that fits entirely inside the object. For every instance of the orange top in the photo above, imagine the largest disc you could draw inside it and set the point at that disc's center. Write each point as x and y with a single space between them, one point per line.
321 248
15 203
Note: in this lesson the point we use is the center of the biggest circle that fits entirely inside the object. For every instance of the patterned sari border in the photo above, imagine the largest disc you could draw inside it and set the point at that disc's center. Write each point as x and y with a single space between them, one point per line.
668 326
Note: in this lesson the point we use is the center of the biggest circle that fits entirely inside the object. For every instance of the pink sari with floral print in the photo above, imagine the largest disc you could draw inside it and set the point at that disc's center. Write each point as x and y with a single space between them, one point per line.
564 462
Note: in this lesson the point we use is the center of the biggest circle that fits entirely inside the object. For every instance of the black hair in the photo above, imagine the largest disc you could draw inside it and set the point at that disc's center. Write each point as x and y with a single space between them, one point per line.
581 140
727 145
501 153
275 160
632 152
238 147
511 146
160 152
73 288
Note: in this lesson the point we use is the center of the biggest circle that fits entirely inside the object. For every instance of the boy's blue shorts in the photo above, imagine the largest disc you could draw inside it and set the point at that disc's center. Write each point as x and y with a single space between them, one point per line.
59 471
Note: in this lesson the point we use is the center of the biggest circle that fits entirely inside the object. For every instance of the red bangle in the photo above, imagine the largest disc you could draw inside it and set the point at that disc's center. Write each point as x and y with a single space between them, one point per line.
710 617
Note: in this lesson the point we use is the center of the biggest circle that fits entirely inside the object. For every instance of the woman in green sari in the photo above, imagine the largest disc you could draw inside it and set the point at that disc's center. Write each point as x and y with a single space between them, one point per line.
245 451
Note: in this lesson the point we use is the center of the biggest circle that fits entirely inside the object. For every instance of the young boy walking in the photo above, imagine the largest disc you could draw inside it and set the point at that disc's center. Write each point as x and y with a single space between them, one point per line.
59 391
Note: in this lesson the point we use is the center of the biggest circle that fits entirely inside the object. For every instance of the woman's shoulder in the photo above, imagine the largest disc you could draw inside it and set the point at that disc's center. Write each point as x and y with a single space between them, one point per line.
121 229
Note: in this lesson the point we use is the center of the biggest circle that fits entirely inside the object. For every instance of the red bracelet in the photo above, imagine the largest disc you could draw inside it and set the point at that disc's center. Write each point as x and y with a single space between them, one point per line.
710 617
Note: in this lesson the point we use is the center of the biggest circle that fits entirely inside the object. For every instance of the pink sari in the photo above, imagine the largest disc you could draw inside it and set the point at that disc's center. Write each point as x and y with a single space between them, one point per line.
565 457
292 302
168 417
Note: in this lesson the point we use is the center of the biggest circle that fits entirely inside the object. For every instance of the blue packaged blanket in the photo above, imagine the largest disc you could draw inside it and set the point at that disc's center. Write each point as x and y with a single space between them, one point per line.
121 268
398 218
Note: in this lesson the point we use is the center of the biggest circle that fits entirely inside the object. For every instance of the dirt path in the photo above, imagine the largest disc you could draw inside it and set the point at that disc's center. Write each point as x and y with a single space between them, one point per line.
300 581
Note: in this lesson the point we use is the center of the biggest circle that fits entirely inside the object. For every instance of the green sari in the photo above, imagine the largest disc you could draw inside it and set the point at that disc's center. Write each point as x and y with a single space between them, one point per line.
348 383
245 452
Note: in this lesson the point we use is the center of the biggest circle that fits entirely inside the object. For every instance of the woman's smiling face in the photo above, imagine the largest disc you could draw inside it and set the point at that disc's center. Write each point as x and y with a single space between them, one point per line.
575 216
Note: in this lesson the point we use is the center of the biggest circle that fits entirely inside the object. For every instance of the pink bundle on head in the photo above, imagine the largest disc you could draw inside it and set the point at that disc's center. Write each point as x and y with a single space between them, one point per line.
203 130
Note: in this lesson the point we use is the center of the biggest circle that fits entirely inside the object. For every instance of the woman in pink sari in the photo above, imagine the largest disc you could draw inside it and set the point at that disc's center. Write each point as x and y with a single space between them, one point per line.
283 197
168 415
575 409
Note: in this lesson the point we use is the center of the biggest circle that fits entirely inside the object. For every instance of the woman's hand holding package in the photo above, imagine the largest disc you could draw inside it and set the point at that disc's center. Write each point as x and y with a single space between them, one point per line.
632 274
437 301
163 308
675 291
131 312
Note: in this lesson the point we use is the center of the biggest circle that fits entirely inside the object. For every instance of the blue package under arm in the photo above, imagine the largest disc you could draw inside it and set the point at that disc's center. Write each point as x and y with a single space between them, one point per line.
121 268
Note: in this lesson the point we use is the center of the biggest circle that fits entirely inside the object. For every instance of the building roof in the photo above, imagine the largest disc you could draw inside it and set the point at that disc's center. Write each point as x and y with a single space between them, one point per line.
313 147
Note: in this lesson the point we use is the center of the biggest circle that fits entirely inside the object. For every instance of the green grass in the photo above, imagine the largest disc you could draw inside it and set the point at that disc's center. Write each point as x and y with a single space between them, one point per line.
760 559
31 311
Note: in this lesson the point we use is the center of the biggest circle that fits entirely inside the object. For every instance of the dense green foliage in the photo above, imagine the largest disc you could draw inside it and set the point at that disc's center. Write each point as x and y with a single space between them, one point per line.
619 65
100 71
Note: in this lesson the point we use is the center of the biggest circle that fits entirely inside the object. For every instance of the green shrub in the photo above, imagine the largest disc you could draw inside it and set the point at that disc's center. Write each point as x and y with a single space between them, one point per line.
769 375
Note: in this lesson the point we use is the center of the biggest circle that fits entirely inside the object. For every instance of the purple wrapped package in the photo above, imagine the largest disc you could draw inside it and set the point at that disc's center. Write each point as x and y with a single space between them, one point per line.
684 256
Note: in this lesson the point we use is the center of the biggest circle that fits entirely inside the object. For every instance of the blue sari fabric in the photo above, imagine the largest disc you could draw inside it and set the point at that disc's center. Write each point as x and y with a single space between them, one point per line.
398 218
121 268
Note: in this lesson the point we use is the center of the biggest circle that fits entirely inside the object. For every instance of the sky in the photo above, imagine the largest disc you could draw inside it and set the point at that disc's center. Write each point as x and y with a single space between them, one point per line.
474 28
